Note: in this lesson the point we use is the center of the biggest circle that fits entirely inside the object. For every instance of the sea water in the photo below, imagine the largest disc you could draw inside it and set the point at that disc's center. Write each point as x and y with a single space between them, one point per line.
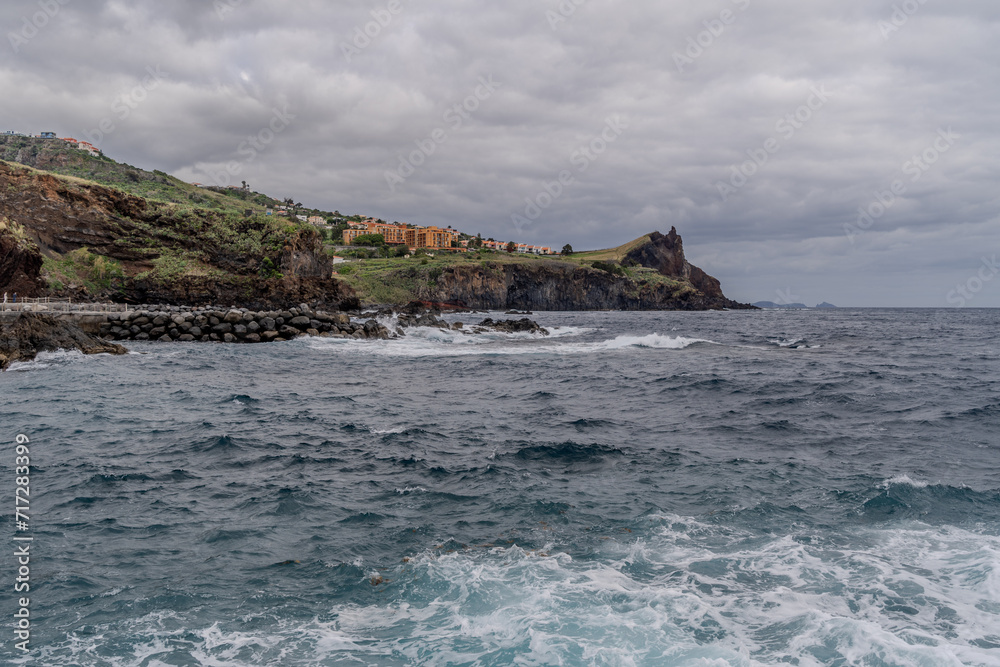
705 489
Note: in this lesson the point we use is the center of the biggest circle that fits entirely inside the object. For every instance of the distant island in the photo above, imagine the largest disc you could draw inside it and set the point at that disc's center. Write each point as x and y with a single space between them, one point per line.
771 304
75 224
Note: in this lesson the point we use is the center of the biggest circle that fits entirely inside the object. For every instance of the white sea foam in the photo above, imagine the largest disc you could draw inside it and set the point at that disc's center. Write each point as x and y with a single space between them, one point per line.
45 360
903 480
426 342
687 593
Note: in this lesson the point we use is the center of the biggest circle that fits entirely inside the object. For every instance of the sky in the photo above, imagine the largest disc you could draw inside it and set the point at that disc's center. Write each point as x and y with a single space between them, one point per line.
833 150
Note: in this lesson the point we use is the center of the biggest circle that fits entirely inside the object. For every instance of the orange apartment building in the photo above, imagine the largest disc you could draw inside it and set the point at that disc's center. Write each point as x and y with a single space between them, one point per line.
432 238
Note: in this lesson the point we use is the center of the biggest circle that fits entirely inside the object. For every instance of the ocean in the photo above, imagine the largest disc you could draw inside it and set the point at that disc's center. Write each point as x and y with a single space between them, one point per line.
713 489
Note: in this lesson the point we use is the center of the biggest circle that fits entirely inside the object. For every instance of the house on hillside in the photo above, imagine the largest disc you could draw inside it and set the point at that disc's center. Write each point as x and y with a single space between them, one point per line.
47 135
316 220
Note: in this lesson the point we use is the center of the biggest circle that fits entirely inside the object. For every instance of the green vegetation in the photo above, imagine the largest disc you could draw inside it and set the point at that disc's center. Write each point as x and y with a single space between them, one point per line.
15 231
610 267
370 240
610 254
84 269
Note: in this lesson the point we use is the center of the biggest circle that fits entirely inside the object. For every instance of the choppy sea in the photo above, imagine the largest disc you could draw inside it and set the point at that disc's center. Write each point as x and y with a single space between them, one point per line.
700 489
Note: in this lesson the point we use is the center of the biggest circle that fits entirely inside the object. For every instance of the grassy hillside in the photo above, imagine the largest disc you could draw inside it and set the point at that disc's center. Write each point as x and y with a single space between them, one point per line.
56 156
611 254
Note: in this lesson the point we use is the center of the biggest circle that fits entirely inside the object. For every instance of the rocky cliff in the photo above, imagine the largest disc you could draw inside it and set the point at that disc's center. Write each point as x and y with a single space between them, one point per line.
163 252
615 282
20 265
666 255
555 285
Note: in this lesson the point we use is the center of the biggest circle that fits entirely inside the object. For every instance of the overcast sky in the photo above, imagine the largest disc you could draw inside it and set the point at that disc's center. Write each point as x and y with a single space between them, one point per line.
759 128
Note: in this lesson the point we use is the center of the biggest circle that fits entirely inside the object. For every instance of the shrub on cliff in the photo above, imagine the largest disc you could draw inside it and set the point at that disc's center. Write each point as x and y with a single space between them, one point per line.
608 267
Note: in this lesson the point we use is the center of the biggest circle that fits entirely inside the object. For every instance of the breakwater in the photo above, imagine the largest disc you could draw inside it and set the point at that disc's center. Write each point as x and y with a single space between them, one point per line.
233 325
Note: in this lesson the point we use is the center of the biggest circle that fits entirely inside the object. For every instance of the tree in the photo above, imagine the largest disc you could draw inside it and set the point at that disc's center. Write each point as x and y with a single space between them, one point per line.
511 247
370 240
567 249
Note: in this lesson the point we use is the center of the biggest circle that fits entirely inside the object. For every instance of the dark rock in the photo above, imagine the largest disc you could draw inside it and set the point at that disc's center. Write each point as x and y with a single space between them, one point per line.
289 332
142 336
31 333
252 338
229 338
160 321
165 339
233 317
223 328
269 335
196 332
514 326
300 322
312 332
186 338
253 327
268 324
157 332
240 330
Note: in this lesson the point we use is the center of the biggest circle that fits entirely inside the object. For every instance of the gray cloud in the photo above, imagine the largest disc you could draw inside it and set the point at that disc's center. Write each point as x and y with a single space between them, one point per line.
690 115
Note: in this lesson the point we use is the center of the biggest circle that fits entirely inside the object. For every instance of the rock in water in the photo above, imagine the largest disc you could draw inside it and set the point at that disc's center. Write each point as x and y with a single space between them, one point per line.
32 333
523 325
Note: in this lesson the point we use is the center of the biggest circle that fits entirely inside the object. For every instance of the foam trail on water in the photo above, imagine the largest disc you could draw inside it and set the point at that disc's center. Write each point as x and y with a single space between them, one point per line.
438 342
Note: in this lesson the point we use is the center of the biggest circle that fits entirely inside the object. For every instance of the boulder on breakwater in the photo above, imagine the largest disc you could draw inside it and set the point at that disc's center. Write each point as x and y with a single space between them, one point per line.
234 325
32 333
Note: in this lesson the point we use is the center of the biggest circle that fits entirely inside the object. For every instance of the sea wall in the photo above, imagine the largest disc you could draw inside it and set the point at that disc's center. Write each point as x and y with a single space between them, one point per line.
233 325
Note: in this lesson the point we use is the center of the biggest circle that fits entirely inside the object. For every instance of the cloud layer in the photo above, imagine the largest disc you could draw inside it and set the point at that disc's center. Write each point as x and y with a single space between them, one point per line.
831 150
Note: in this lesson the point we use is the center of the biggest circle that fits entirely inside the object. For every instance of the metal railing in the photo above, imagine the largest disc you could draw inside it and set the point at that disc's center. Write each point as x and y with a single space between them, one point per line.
49 305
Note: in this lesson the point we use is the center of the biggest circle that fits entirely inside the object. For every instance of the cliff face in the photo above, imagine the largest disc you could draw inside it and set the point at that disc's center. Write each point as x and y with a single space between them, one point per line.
561 286
20 267
254 261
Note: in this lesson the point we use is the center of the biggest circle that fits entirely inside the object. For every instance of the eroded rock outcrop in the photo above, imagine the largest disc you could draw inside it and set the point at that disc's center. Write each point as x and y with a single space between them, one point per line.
20 265
665 253
32 333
